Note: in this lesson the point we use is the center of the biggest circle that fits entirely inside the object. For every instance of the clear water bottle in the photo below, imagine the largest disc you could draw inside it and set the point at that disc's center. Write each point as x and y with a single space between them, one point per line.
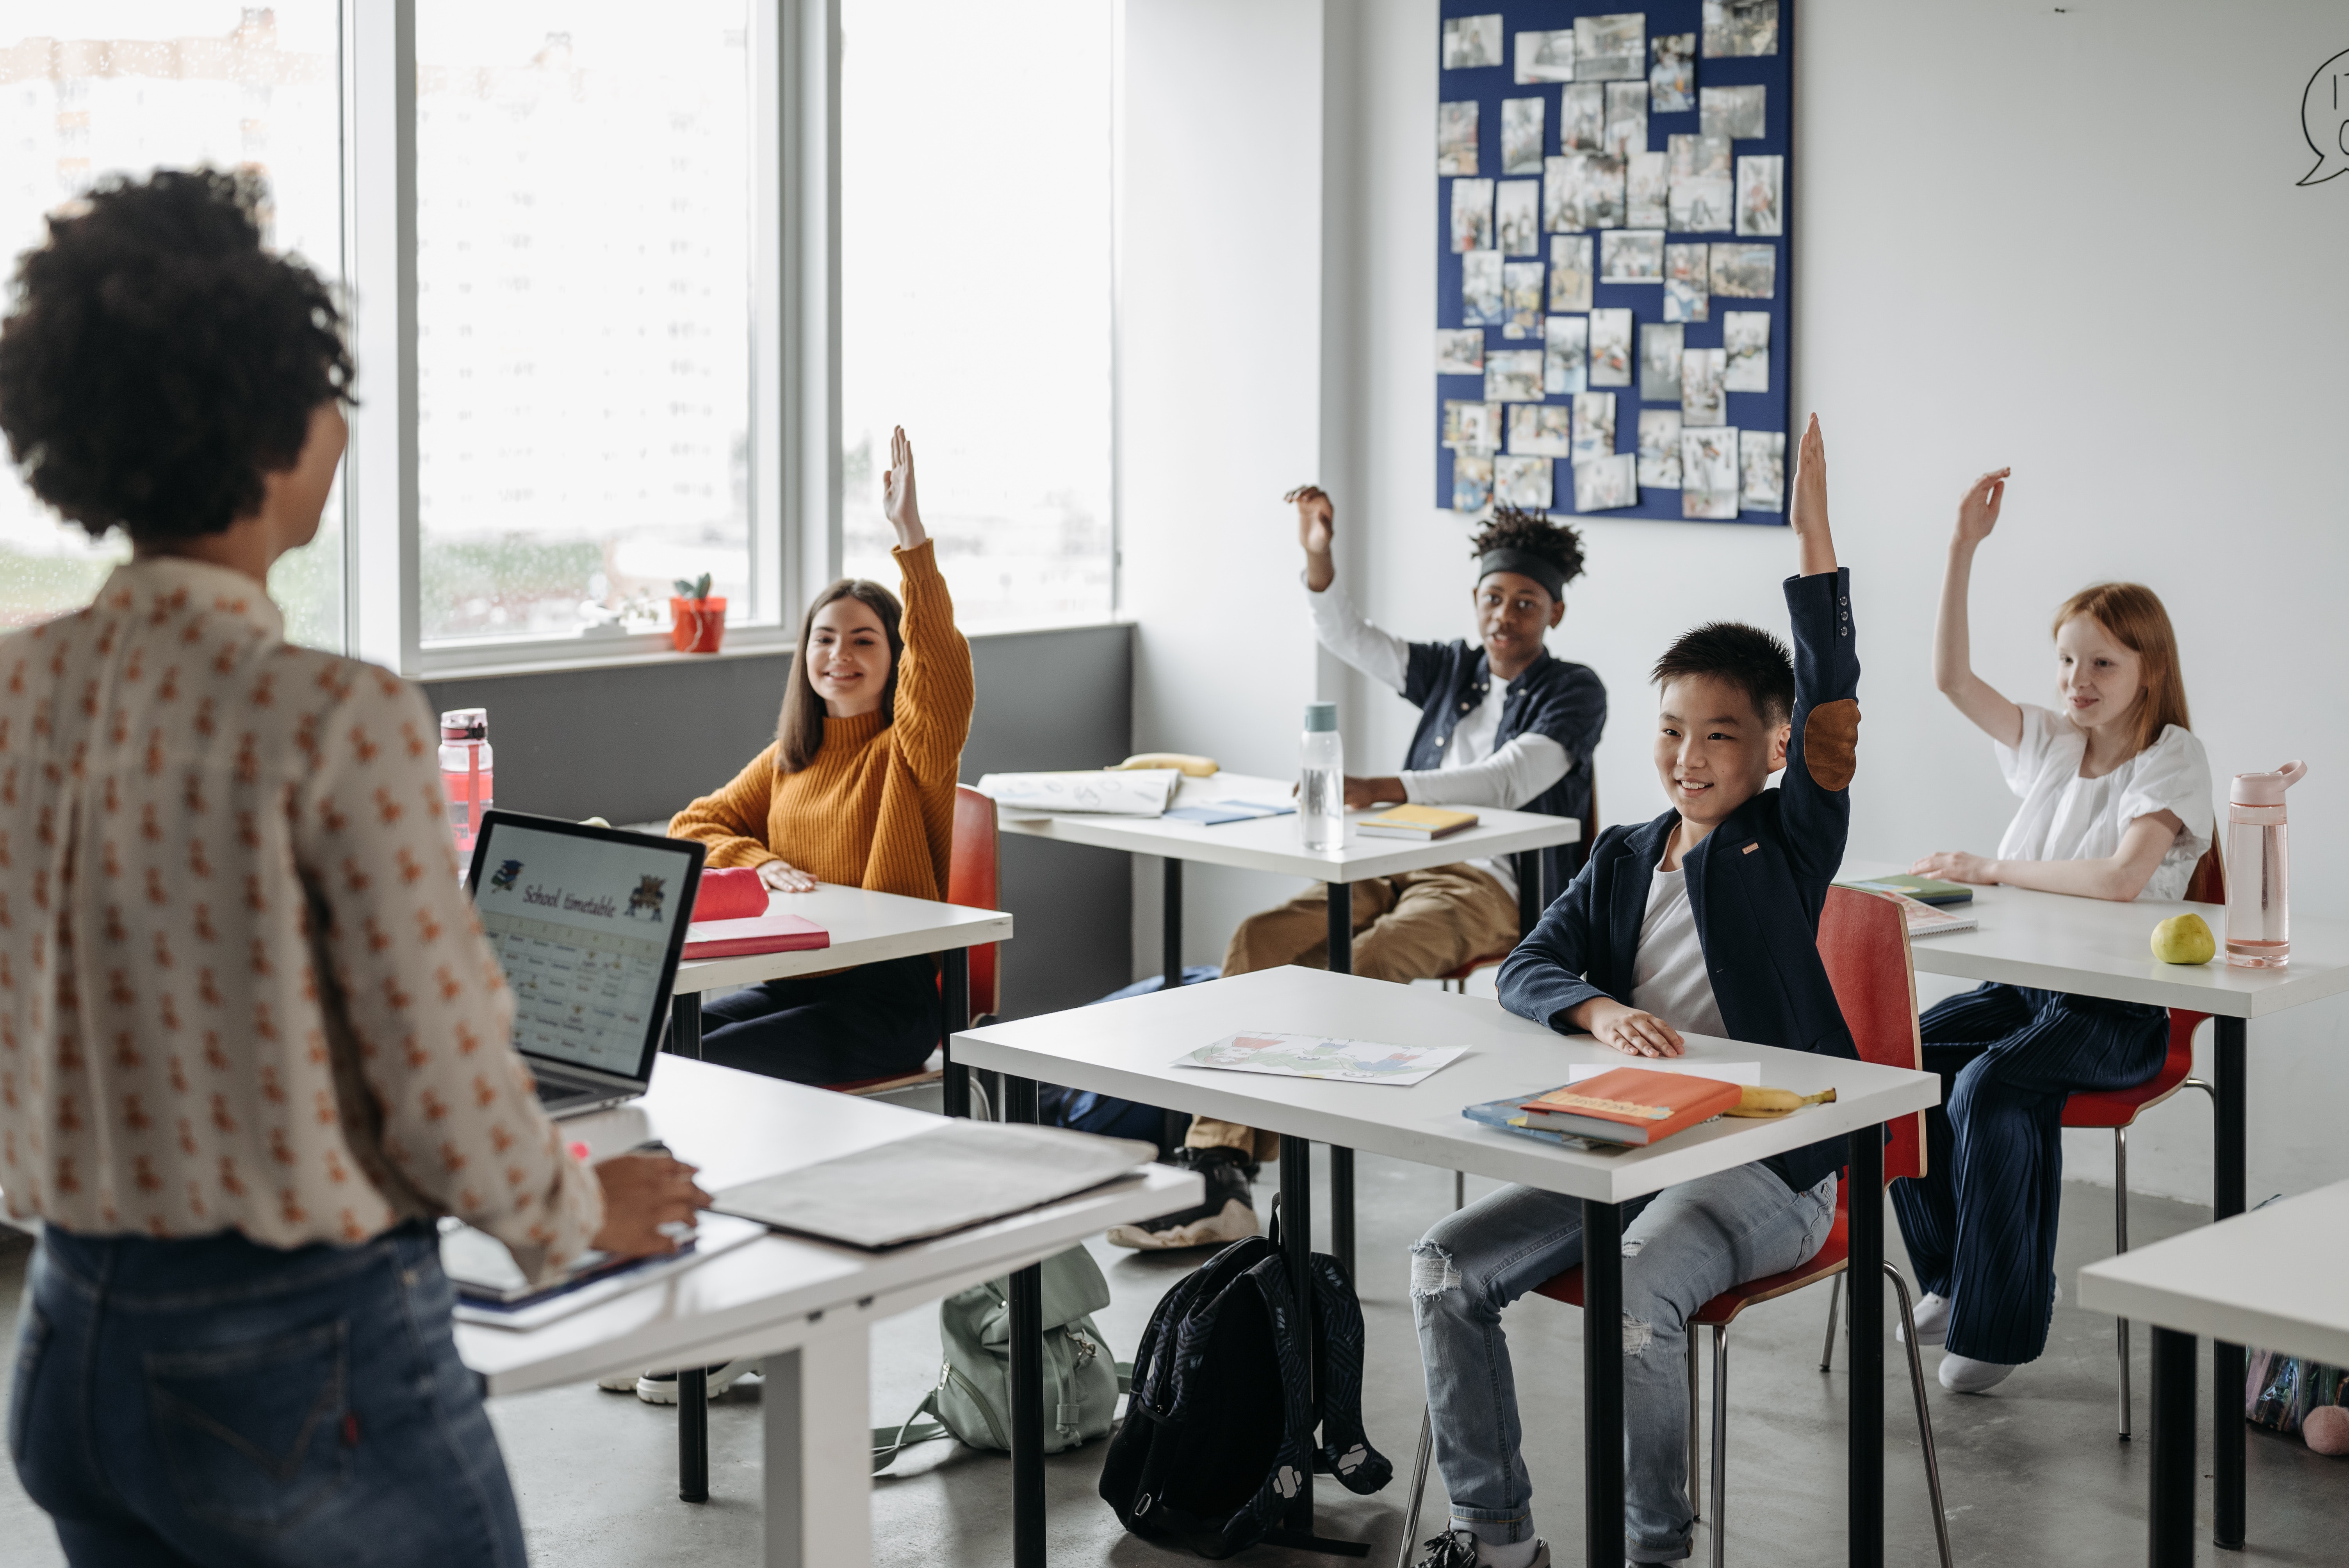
2259 873
1321 783
466 777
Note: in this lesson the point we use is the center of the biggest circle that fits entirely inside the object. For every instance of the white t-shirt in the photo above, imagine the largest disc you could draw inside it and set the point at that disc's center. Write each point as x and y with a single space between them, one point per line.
1668 972
2065 817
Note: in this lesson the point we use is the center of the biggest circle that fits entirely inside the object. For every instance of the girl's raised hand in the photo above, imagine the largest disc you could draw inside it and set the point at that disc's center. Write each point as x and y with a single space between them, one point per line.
898 492
1977 508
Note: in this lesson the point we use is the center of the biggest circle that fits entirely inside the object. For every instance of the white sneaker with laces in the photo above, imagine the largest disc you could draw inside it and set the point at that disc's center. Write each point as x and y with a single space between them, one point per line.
1964 1374
1933 1316
661 1388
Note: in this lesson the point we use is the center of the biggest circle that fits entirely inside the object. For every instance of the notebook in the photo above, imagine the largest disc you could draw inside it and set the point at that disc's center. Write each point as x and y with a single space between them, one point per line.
492 1289
1924 920
758 933
1419 822
1630 1105
1924 890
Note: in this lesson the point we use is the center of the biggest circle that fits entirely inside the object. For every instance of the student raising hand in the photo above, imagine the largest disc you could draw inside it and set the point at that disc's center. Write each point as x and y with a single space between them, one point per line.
898 492
1809 512
1977 508
1316 519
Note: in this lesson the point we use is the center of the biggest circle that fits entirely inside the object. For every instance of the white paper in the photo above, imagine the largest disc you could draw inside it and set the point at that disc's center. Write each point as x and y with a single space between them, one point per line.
1134 792
1727 1072
1320 1056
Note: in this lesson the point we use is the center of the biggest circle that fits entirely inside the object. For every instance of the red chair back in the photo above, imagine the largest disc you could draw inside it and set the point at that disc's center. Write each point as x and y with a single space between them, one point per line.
2209 883
2104 1109
974 879
1864 942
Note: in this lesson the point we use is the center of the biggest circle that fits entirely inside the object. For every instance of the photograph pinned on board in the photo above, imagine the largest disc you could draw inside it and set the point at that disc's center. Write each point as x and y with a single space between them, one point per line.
1455 137
1521 135
1516 209
1740 30
1687 294
1570 271
1745 340
1708 471
1701 199
1472 426
1610 348
1514 376
1761 462
1459 351
1627 118
1631 257
1521 299
1660 448
1610 48
1594 426
1760 192
1659 363
1732 113
1744 271
1647 189
1672 73
1472 483
1480 289
1606 484
1702 402
1565 353
1545 57
1585 190
1582 118
1472 41
1472 215
1522 482
1541 429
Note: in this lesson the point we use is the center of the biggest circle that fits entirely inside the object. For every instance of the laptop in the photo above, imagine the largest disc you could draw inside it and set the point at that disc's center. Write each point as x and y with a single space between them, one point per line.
589 923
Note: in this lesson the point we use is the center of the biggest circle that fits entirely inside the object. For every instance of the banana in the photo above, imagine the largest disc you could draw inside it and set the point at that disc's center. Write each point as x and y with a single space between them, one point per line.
1182 762
1757 1102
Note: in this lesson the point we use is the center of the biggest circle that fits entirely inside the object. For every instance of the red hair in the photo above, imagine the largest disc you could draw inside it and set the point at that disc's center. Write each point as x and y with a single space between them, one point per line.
2133 613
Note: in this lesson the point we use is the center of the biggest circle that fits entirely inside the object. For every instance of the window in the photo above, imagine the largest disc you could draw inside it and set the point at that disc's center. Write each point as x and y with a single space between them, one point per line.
89 88
975 265
584 211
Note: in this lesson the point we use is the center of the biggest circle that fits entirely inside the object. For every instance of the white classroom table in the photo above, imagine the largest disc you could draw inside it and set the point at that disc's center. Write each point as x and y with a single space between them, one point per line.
1128 1049
805 1305
2275 1278
1274 844
2096 947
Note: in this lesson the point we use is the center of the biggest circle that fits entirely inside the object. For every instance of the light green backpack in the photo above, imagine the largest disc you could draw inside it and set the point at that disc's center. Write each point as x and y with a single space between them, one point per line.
973 1397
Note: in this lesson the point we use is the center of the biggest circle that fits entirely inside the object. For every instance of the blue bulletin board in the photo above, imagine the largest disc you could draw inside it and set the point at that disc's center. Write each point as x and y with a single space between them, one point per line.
1613 201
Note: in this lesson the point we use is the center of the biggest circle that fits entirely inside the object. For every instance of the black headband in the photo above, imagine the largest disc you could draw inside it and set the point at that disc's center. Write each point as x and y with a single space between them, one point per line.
1544 573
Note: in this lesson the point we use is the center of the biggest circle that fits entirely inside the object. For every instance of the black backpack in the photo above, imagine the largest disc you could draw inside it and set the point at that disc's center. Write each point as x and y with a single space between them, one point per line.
1218 1433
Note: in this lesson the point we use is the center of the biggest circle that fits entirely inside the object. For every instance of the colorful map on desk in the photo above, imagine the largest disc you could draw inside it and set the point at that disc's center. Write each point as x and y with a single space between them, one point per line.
1318 1056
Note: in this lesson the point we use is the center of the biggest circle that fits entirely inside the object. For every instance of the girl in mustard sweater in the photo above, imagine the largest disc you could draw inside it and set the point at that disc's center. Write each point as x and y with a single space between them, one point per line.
857 789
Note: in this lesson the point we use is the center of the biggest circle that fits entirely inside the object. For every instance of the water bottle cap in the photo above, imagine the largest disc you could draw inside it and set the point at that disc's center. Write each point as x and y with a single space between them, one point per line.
465 724
1321 717
2266 789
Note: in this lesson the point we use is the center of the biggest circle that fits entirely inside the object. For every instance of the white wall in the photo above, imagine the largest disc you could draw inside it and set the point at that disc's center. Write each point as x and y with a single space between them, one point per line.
2068 242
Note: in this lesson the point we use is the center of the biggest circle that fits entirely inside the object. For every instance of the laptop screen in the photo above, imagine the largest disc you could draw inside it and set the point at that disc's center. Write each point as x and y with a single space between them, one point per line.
588 923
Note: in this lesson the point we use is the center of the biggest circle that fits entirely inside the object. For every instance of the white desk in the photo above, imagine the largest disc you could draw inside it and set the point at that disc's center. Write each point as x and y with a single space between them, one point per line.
2276 1278
1128 1047
2096 947
783 1297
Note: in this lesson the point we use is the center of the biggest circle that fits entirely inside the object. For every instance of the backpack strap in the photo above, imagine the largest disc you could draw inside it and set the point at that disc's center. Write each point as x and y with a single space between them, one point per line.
1337 1343
889 1442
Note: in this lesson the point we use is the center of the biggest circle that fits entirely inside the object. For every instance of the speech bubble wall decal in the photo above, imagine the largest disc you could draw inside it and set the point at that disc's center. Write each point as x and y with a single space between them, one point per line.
2324 119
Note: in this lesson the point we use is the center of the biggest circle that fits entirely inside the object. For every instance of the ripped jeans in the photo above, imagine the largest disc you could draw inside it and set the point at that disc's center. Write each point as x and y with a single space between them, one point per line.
1681 1247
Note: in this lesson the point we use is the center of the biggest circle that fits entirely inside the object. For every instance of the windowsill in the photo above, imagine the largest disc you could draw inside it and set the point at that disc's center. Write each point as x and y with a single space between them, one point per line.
763 642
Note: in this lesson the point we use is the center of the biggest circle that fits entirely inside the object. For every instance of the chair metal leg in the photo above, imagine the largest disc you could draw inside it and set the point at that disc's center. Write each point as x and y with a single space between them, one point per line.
1835 1307
1719 1445
1924 1417
1693 1423
1418 1488
2121 1244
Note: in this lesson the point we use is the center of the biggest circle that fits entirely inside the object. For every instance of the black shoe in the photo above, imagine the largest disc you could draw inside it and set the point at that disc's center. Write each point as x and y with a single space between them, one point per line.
1453 1549
1227 1214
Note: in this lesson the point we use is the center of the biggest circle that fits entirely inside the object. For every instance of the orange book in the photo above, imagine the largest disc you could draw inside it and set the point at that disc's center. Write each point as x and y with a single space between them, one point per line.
1632 1105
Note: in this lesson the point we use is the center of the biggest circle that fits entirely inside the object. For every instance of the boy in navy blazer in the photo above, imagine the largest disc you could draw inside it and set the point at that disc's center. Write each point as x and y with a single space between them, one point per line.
1705 921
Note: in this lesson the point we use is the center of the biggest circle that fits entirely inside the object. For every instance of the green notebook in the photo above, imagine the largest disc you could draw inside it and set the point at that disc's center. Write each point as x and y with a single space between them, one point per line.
1924 890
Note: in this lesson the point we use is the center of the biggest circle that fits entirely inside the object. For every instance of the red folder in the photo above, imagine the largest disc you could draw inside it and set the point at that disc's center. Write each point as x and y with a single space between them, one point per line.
759 933
1632 1105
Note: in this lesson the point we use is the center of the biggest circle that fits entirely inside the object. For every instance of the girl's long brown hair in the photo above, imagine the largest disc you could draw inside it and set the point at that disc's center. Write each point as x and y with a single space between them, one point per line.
799 732
2133 613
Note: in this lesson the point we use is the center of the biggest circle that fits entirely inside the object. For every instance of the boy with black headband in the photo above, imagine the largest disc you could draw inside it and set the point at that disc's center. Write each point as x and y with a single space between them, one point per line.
1502 724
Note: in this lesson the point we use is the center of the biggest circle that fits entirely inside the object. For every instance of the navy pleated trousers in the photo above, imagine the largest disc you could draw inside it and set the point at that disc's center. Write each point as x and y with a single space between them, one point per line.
1981 1222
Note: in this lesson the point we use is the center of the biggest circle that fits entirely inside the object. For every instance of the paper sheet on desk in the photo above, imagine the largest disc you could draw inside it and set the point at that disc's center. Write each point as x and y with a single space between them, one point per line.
1727 1072
1143 792
1318 1056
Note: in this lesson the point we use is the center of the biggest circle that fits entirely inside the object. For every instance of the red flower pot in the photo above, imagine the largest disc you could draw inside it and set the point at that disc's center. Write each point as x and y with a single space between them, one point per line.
697 625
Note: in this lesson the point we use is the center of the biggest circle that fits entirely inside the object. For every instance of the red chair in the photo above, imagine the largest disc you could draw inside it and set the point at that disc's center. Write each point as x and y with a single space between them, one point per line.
2119 1109
1457 979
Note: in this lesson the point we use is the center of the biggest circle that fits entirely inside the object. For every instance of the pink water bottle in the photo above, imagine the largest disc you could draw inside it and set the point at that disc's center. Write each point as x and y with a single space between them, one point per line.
2258 874
465 774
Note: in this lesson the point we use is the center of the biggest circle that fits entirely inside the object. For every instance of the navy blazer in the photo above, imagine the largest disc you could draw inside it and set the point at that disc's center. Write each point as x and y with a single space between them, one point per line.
1756 884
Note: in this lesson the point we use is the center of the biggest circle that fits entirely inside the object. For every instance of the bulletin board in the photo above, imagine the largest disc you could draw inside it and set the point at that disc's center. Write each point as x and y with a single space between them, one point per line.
1614 267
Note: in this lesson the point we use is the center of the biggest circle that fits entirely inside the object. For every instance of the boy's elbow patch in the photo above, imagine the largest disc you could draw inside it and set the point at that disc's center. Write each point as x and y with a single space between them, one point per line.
1831 743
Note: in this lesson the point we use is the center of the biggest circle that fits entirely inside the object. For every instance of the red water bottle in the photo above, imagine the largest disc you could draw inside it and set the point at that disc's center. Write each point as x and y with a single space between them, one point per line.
465 773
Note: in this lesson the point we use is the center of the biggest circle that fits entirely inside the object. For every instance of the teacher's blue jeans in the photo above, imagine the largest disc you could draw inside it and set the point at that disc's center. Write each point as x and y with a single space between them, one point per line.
216 1402
1680 1248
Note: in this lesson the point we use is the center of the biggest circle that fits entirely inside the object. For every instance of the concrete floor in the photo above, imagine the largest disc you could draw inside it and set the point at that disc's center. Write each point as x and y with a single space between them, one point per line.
2032 1472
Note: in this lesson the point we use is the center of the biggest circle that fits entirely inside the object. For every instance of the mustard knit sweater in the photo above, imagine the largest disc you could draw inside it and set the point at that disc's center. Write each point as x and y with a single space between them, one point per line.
875 809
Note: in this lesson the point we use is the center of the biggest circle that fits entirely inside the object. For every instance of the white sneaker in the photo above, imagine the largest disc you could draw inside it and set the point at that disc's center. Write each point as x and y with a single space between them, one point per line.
1932 1314
1964 1374
619 1382
661 1388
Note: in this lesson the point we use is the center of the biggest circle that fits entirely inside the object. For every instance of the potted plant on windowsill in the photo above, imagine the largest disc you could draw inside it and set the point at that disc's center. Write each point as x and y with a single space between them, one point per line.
696 621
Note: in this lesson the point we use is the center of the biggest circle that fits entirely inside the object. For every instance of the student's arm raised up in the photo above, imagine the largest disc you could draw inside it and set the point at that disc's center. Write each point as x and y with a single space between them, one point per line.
1953 671
936 688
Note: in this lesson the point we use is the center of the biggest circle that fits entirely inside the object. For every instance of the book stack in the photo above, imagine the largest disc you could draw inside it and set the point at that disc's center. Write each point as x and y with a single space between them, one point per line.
1419 822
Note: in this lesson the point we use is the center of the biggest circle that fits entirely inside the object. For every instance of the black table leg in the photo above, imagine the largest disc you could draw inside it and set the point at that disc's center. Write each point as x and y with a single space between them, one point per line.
1027 1376
685 1024
954 995
1170 925
1602 1383
1866 1256
2227 1199
1530 891
1341 1161
692 1434
1296 1246
2169 1502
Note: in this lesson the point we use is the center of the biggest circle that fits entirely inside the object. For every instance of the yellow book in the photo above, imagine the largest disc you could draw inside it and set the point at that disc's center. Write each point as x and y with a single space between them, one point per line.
1421 822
